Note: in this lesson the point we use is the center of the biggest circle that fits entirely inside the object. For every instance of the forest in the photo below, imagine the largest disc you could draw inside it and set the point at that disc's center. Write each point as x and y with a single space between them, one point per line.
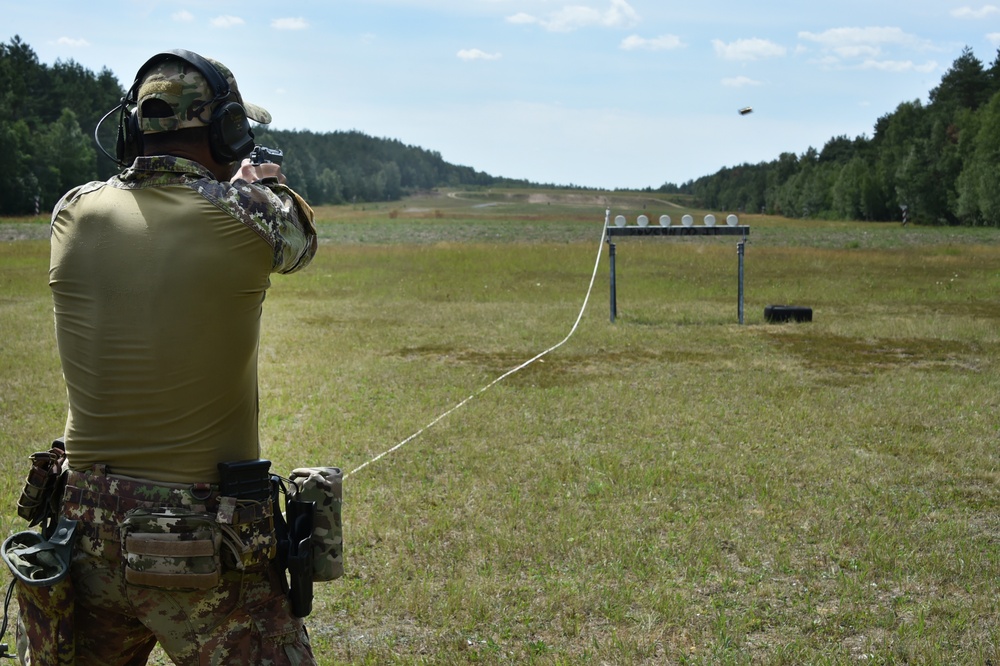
933 163
48 114
937 161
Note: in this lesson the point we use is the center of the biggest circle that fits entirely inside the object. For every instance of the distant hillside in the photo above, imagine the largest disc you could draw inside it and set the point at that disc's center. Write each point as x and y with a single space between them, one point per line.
48 114
345 167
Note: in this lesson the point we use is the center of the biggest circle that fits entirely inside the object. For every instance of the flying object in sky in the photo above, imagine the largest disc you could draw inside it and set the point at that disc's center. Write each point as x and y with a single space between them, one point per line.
745 110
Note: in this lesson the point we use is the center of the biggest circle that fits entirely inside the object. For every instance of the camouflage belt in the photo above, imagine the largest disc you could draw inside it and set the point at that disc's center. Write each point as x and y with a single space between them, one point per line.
102 502
119 495
241 514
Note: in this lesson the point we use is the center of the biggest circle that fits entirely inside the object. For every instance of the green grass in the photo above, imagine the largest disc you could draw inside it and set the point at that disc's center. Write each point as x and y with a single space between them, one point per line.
670 488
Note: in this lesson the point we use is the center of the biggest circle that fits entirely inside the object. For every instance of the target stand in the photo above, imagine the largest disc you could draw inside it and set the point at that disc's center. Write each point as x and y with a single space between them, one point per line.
687 228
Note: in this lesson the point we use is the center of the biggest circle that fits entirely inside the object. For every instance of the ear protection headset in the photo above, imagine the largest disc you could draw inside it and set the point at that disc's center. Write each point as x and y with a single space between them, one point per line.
230 137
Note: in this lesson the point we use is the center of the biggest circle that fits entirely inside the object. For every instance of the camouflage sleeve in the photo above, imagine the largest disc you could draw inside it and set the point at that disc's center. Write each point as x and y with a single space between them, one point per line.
277 213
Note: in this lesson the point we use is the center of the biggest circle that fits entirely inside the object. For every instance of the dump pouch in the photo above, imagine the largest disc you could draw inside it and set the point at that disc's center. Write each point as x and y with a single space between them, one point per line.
45 593
324 486
39 562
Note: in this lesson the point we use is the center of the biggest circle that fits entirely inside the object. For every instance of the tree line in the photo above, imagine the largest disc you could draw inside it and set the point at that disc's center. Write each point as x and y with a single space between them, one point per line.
350 167
48 115
935 163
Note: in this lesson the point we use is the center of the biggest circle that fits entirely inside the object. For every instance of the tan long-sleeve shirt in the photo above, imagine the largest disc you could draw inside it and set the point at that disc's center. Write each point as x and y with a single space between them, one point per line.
158 279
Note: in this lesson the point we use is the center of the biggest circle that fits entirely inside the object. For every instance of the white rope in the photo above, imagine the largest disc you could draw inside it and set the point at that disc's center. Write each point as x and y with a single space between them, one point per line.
510 372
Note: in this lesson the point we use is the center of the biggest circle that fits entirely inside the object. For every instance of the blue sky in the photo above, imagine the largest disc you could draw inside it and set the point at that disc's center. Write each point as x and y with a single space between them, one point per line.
600 93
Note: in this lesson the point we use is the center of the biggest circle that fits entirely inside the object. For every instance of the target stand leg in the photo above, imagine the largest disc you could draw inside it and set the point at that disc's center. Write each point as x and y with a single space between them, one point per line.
614 294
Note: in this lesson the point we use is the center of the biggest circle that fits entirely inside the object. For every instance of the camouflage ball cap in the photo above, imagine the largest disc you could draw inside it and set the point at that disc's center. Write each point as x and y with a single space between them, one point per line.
179 84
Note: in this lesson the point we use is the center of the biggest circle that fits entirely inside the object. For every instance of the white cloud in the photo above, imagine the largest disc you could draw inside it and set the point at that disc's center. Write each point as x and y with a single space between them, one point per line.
183 16
970 13
572 17
844 39
857 51
75 43
227 21
748 49
522 19
868 48
289 24
621 14
661 43
739 82
476 54
899 66
994 38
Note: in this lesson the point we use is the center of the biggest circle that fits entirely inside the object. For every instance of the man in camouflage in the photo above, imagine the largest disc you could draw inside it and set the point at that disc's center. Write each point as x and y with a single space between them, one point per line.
158 278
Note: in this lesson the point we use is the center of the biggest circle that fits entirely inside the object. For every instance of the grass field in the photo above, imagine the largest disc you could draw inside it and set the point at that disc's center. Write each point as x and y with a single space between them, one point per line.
672 488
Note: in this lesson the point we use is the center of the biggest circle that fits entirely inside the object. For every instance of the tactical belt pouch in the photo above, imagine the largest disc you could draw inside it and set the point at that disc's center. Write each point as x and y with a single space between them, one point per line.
39 498
324 487
171 548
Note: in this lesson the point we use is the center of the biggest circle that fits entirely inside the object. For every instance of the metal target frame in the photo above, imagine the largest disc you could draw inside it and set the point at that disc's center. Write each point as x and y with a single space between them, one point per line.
687 228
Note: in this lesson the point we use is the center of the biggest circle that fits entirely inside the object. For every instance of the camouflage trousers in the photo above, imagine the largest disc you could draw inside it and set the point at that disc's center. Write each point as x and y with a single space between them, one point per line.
243 617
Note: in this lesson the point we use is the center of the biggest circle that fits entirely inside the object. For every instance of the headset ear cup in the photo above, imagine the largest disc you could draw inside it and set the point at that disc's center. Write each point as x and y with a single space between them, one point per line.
229 133
129 143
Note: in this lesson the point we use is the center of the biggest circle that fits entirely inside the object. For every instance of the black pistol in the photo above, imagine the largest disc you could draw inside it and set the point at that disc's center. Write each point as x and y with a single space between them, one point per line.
263 154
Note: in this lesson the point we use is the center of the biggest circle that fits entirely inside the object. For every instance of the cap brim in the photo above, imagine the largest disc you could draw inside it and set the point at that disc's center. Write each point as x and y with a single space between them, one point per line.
257 113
